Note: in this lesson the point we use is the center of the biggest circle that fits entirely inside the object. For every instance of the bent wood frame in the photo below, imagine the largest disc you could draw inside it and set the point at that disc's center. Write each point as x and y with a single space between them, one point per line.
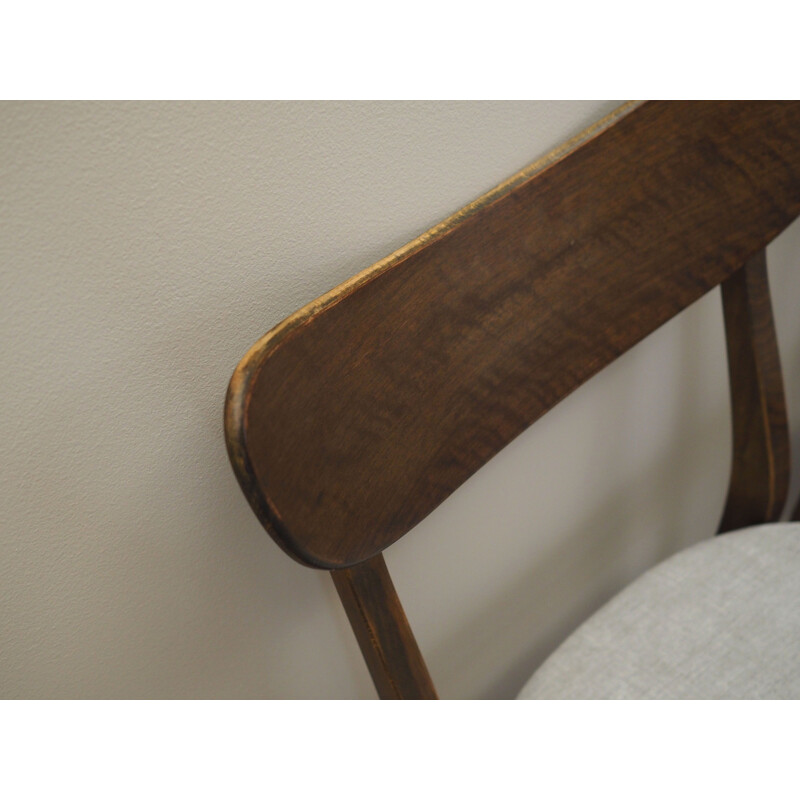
353 419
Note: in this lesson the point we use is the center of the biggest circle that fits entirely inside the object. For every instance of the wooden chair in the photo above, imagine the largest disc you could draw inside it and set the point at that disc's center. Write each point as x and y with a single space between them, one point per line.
354 418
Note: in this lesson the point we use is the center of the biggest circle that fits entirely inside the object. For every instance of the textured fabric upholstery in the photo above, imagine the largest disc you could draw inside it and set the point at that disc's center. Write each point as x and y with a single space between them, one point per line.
718 620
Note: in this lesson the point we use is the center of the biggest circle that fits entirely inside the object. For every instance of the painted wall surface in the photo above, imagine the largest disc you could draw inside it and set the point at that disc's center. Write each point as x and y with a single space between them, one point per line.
143 248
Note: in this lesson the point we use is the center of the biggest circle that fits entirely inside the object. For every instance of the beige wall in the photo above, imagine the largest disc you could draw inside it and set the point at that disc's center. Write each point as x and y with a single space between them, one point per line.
143 248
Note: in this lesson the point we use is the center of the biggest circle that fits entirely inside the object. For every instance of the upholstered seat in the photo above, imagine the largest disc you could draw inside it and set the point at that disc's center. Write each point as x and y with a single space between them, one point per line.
718 620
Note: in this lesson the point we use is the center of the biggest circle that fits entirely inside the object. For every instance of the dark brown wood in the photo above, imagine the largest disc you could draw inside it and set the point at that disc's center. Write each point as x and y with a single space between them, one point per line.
383 633
760 468
352 420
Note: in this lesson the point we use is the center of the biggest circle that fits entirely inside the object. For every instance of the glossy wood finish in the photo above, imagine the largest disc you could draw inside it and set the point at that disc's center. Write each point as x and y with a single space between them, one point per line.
383 633
760 470
351 421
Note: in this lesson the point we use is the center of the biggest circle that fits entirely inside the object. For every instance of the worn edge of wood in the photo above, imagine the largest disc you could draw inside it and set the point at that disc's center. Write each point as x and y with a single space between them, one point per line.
238 394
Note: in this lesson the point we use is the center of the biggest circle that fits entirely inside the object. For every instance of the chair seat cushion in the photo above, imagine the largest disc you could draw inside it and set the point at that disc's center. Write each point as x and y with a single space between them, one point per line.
718 620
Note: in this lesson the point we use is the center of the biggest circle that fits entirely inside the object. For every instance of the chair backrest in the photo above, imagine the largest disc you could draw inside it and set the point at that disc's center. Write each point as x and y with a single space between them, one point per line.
353 419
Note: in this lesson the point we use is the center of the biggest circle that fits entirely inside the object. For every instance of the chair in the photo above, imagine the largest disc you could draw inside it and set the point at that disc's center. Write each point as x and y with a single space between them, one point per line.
354 418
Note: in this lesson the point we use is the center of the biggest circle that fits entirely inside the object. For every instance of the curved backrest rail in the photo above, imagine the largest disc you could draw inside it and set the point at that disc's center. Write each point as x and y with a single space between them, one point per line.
354 419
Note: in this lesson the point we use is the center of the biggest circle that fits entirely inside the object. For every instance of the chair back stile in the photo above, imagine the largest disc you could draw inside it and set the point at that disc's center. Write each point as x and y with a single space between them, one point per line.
351 421
760 469
383 633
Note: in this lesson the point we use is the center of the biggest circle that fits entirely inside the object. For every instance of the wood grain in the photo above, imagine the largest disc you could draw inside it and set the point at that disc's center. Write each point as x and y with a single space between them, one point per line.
350 422
760 468
383 633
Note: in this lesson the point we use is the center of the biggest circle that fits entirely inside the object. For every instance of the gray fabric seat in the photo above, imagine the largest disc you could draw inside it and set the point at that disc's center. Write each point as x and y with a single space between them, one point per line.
718 620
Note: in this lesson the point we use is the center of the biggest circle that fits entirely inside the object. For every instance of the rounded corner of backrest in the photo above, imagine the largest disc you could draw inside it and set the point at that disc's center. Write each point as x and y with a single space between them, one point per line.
233 419
235 422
